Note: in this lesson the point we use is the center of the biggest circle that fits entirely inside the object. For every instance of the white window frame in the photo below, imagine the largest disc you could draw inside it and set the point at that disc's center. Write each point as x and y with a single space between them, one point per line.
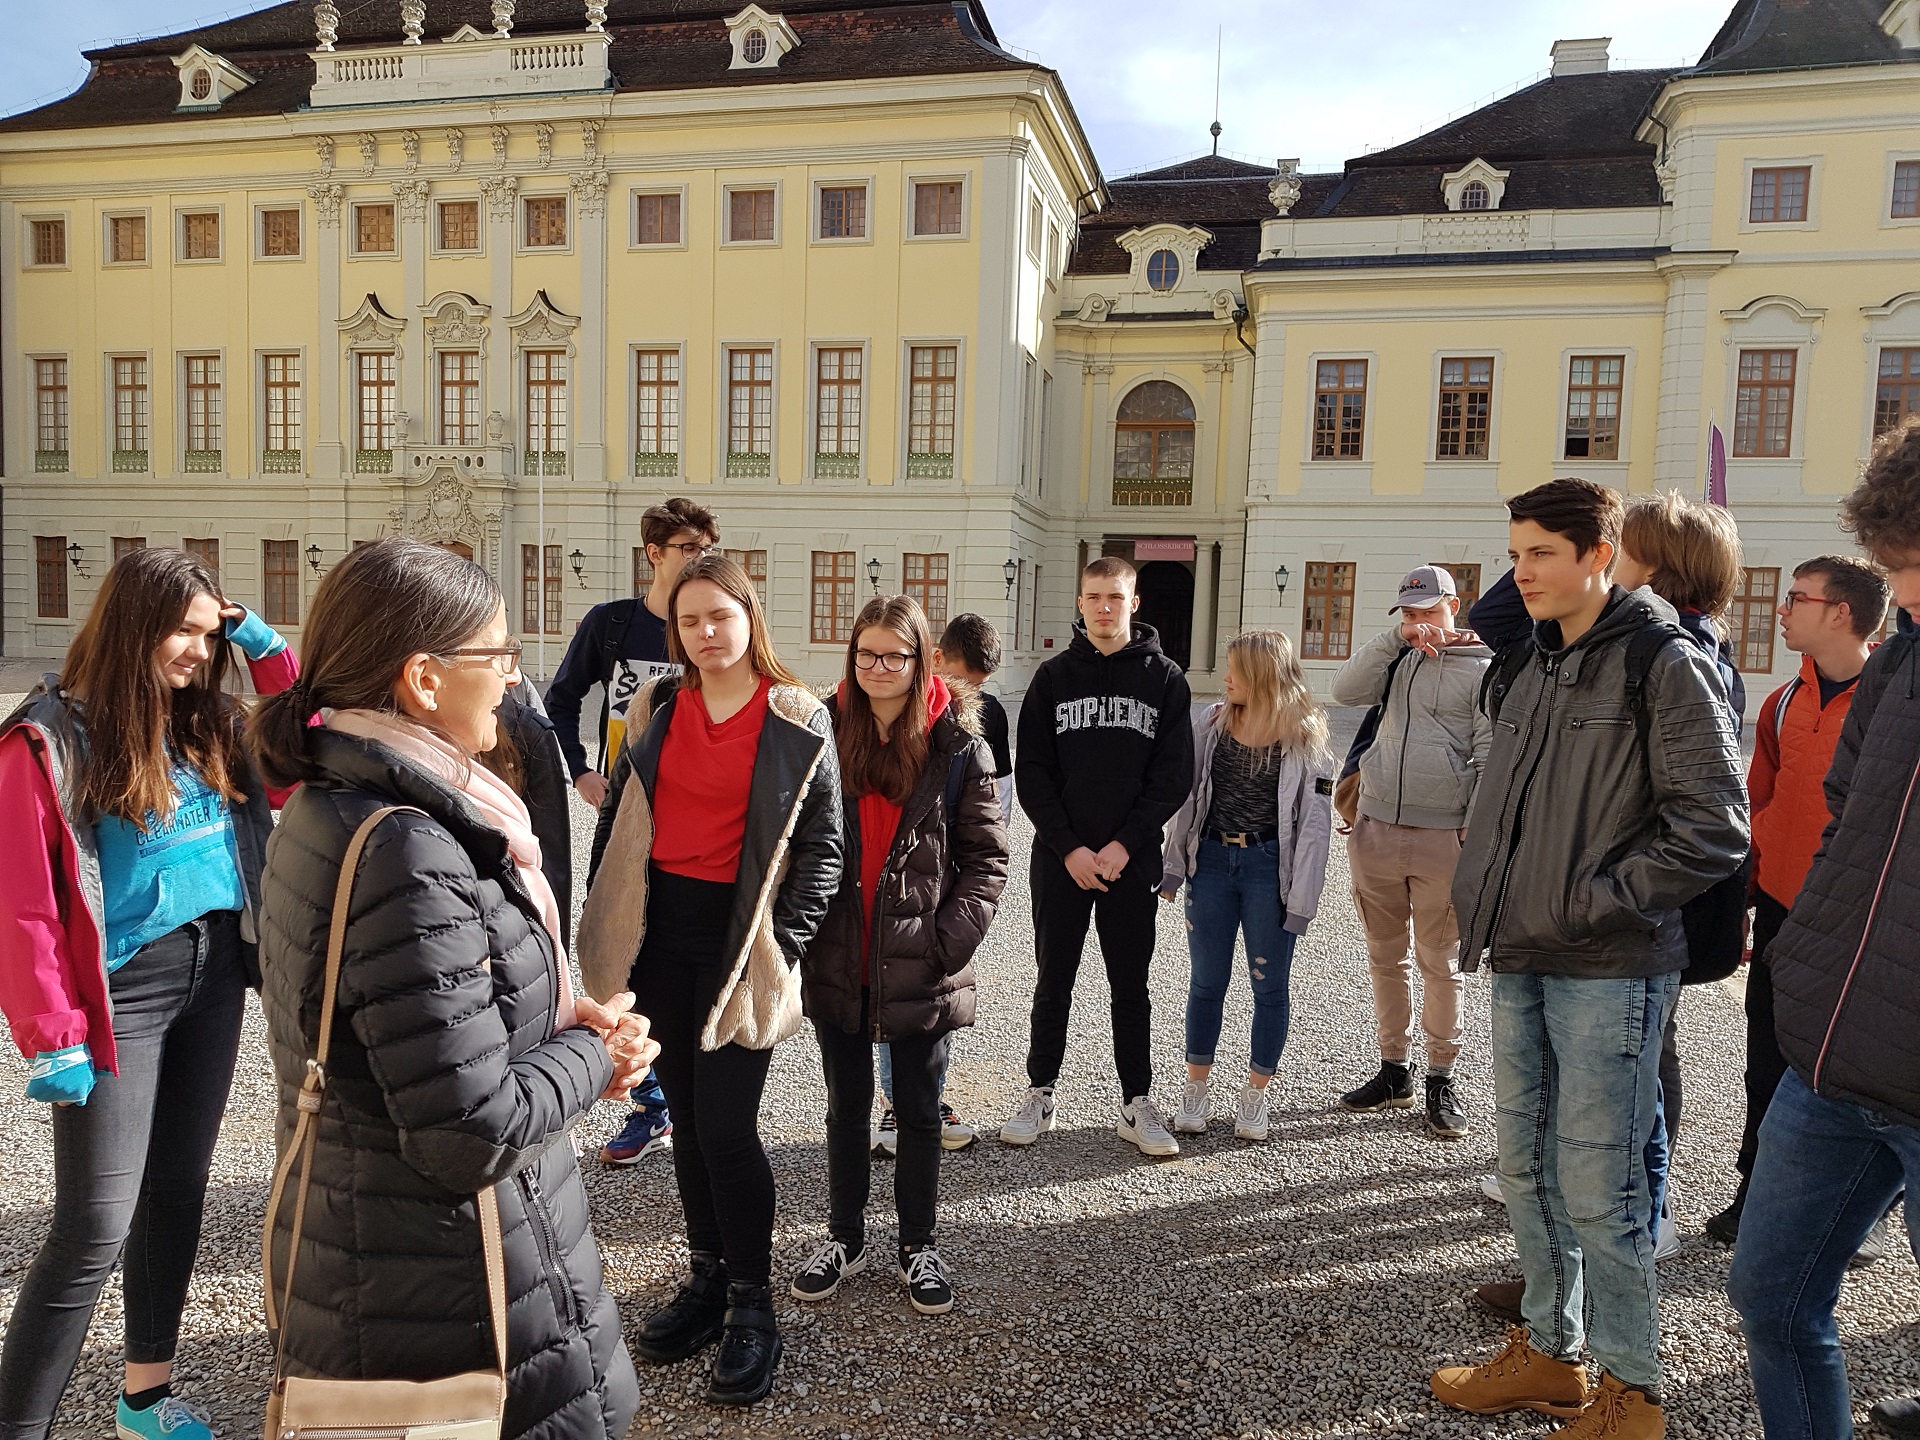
109 407
904 434
27 219
634 348
814 347
868 183
260 209
107 217
354 207
259 381
1035 242
1468 351
722 397
479 247
633 228
520 246
1888 220
727 242
1815 164
30 406
964 179
1364 464
180 215
1773 323
180 431
1614 467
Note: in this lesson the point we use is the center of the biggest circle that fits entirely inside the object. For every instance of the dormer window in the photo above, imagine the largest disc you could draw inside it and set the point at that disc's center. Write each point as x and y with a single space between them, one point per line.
760 39
1474 195
207 81
1474 186
1163 270
1166 258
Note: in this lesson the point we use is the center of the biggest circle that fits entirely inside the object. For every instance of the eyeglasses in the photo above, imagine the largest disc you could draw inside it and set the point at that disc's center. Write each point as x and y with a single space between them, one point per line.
893 662
692 549
1800 597
494 655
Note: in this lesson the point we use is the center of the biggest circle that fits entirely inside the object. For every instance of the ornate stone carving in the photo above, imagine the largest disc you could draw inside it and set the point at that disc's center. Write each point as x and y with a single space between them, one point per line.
500 191
496 428
369 153
1284 189
410 147
323 147
326 203
1094 308
1185 241
543 138
410 199
590 193
455 319
326 24
371 327
1096 370
456 149
413 18
542 323
590 142
402 426
502 18
446 514
1668 174
1223 304
596 17
498 135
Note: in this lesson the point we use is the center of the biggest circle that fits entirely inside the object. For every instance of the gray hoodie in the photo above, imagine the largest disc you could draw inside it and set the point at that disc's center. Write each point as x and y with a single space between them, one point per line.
1426 756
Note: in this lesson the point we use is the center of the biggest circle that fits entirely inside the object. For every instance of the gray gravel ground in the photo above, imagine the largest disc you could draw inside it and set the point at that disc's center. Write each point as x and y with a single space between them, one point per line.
1301 1287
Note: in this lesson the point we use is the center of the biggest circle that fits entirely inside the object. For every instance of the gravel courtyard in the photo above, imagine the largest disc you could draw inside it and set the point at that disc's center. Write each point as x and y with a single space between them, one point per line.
1301 1287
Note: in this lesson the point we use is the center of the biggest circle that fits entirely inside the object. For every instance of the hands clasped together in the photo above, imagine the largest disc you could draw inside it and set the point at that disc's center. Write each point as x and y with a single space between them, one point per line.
624 1032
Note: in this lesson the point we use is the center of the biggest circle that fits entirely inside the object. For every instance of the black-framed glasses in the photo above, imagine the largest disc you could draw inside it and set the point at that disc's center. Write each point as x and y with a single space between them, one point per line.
1800 597
494 655
692 549
893 661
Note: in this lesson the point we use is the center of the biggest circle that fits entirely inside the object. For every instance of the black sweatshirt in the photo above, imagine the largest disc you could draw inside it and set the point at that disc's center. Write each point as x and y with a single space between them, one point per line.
1106 749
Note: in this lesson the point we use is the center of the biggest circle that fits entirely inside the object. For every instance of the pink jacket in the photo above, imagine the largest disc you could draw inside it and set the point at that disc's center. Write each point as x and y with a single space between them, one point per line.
53 978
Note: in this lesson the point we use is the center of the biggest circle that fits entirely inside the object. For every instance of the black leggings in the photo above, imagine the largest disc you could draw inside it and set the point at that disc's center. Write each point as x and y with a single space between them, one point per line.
130 1168
726 1183
918 1063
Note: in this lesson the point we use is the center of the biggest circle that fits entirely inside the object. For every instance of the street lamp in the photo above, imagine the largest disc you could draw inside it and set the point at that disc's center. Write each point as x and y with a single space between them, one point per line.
313 558
74 552
873 575
579 564
1010 570
1280 578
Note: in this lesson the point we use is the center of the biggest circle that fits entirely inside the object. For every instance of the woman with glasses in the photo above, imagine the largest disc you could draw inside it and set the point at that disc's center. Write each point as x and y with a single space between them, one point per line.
460 1056
135 833
715 855
926 860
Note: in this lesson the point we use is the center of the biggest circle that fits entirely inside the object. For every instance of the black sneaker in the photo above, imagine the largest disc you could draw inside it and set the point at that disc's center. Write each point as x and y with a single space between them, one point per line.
1391 1089
690 1321
826 1268
1898 1415
1445 1118
929 1286
1724 1228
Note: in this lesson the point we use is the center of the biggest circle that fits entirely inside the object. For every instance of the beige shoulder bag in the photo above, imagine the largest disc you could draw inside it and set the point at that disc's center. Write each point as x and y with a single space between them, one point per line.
461 1407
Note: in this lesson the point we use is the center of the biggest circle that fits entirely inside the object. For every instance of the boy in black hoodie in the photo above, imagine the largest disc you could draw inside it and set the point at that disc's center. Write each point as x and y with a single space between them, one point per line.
1105 760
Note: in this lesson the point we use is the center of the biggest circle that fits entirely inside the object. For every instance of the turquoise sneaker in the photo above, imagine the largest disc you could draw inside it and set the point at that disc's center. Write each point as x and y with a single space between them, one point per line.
172 1418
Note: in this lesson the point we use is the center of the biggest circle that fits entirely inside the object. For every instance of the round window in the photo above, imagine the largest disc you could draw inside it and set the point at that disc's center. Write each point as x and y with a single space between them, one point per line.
201 85
1163 270
754 48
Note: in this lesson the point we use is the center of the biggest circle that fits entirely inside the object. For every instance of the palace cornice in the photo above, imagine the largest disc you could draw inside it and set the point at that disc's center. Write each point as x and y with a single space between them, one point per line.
1893 78
1394 313
1495 273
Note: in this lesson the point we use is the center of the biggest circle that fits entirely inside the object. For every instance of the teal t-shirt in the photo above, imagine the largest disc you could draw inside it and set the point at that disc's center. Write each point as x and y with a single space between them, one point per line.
176 870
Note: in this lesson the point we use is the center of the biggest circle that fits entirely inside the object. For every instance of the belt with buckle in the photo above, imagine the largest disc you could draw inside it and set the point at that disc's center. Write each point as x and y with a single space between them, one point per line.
1243 838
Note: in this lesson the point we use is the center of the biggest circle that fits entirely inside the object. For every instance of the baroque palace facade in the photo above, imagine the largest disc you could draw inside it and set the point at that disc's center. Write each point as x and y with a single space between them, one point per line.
501 273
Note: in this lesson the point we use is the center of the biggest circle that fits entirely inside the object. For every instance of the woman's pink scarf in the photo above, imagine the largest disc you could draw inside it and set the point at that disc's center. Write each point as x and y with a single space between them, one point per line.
491 796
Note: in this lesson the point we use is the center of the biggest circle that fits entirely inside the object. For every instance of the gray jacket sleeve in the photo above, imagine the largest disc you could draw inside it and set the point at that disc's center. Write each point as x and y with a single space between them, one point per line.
1312 834
1363 679
1699 795
1180 832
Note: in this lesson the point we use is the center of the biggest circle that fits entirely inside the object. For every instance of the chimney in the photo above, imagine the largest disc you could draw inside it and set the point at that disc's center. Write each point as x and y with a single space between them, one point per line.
1580 57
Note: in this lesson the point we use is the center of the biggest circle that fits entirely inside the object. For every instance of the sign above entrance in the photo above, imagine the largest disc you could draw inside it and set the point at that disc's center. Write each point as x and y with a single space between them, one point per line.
1144 550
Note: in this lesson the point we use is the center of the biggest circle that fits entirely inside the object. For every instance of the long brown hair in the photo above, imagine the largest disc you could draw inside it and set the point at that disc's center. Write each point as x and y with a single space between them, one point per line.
384 602
725 573
868 764
138 726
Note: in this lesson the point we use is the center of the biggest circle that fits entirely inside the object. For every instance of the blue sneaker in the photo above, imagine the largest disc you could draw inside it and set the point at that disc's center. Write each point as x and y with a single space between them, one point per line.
172 1419
645 1132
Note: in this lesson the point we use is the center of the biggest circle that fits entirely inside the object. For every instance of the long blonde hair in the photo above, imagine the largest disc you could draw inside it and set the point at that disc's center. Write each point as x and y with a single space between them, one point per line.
1282 707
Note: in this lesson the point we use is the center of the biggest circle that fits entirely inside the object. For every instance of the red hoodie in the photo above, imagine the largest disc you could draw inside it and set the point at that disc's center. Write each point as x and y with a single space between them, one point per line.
879 822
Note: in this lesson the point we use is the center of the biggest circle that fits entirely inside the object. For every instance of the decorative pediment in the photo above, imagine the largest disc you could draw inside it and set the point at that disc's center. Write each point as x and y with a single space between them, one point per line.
1476 185
543 323
464 35
759 38
1152 245
455 318
206 80
371 327
1772 318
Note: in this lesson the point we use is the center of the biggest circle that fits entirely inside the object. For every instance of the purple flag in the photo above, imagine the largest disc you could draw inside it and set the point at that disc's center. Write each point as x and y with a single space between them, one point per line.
1716 467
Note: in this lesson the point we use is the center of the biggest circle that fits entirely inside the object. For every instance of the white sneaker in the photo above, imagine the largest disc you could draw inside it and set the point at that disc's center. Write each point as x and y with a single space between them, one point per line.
1251 1122
1032 1120
1490 1187
1142 1126
1666 1234
1192 1119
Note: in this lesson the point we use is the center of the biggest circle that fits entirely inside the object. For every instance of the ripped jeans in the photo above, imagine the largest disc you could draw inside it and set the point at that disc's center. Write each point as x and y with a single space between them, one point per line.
1235 888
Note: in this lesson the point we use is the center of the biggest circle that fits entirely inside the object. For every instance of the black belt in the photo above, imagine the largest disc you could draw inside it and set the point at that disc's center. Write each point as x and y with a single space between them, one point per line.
1243 838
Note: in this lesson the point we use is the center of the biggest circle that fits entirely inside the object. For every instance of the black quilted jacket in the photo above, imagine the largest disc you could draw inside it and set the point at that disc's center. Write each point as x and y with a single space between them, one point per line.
1846 967
445 1077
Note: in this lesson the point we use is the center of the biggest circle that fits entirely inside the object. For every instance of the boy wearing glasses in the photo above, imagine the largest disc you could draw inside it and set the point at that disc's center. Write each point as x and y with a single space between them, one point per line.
620 646
1834 605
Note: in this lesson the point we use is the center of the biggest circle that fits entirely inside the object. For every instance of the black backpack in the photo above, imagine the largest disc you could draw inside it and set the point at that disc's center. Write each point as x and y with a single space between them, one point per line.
1716 919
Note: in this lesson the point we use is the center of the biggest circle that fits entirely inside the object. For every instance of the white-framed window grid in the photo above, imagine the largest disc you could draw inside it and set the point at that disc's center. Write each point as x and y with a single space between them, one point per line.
544 378
1339 417
657 408
199 235
203 412
52 413
1455 393
1596 405
126 239
375 379
765 215
457 409
373 230
545 225
129 416
931 399
1900 197
938 206
283 411
749 400
657 217
842 211
1813 165
45 241
279 231
459 227
837 408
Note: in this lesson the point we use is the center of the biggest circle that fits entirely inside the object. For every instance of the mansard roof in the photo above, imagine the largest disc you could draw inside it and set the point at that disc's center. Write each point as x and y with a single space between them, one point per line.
1801 35
657 45
1225 196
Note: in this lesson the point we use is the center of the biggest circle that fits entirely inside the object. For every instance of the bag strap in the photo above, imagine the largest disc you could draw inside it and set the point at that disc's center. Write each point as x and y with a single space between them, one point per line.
312 1094
1787 692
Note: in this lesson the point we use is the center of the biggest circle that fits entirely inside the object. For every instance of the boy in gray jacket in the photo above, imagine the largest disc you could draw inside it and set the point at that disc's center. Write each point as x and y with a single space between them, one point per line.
1416 782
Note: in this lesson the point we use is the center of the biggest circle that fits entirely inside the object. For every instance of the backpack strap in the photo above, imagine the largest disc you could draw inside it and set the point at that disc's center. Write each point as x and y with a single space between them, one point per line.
619 617
1498 677
1779 720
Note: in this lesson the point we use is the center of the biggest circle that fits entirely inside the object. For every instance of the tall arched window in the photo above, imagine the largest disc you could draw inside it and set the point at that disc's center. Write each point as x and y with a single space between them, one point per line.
1153 446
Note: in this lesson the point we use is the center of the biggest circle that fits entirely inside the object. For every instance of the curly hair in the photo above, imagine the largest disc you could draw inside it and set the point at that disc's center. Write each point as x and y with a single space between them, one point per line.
1883 511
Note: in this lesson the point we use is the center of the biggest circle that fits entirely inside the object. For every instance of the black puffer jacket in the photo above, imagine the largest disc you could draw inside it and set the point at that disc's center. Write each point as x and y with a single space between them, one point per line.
445 1077
1846 994
936 897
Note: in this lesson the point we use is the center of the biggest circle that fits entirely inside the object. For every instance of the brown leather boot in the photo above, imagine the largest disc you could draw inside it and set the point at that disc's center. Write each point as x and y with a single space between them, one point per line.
1518 1378
1617 1412
1503 1298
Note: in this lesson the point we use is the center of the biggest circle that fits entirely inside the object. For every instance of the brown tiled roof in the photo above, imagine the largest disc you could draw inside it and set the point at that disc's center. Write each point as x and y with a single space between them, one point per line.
657 45
1226 197
1801 34
1598 184
1560 118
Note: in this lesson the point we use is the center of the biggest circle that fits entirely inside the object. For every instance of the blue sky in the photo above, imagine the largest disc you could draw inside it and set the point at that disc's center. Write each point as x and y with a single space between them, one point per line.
1314 80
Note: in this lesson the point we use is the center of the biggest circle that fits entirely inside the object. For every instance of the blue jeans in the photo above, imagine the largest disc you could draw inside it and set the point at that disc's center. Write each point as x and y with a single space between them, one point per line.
1235 888
1576 1078
647 1095
1826 1170
944 1058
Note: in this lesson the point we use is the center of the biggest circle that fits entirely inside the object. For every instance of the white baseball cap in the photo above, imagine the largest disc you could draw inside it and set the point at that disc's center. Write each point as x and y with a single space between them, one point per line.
1425 585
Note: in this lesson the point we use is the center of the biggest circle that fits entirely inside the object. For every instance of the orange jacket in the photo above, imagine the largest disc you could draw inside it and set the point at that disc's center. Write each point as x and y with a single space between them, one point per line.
1786 784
